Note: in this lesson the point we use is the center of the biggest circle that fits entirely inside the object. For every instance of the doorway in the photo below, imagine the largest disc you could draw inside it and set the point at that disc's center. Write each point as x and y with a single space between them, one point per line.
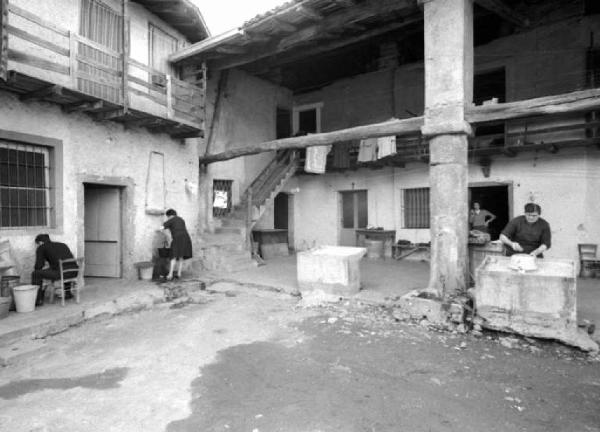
280 211
353 215
102 230
495 199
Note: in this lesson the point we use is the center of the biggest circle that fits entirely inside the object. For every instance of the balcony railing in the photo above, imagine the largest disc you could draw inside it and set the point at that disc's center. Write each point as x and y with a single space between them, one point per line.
44 59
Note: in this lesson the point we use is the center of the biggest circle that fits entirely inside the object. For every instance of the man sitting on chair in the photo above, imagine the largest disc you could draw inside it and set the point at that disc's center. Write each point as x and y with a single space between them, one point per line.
50 252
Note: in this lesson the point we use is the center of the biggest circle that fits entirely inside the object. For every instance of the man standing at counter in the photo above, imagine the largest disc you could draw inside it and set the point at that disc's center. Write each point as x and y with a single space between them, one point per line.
528 233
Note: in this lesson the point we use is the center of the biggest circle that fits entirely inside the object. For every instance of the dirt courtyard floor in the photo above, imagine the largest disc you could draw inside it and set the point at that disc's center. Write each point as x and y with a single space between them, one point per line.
258 361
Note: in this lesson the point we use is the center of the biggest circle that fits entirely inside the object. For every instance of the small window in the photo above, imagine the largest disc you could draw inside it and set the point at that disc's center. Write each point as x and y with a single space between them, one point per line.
102 24
24 185
161 46
416 208
222 202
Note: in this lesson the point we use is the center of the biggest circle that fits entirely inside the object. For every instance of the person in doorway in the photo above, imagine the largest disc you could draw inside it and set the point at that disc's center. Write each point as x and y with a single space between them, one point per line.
479 219
181 243
49 252
528 233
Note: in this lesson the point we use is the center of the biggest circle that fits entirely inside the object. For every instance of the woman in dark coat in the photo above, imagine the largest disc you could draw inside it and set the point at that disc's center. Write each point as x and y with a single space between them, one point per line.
181 245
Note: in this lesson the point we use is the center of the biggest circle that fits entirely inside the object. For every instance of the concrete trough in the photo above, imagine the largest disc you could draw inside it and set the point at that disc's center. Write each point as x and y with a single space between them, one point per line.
332 269
539 303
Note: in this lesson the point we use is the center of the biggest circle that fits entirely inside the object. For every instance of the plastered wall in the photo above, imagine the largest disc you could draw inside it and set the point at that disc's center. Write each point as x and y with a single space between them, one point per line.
545 61
103 152
247 117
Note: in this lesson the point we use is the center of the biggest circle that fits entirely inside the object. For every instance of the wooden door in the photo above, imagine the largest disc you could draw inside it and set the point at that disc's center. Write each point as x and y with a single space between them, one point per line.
102 231
353 215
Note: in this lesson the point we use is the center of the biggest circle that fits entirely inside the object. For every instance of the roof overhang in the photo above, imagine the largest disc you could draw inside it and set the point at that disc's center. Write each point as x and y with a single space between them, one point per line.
183 15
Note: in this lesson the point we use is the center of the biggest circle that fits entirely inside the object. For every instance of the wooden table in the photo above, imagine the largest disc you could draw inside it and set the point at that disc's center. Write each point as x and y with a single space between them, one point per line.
271 242
388 237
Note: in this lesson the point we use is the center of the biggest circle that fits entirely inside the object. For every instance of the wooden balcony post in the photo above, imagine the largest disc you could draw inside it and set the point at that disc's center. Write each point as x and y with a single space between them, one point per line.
73 58
169 97
3 39
448 92
125 95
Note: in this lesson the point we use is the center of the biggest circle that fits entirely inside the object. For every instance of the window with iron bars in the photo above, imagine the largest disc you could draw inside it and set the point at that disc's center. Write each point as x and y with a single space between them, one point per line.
24 185
222 197
416 208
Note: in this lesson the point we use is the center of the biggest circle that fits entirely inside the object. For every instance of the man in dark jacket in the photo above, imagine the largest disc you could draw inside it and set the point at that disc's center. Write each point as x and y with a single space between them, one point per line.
49 252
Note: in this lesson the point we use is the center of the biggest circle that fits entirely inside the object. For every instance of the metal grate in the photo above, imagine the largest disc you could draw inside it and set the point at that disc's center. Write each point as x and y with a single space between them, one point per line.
416 208
24 185
221 197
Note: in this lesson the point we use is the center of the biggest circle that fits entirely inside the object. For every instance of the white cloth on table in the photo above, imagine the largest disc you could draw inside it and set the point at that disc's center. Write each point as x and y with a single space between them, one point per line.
386 146
316 159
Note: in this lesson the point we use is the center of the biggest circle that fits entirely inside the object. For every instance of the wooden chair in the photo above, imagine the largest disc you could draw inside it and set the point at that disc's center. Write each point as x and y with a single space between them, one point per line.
589 263
71 275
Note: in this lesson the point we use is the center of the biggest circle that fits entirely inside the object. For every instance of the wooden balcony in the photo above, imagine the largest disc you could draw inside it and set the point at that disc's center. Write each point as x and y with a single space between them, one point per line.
45 62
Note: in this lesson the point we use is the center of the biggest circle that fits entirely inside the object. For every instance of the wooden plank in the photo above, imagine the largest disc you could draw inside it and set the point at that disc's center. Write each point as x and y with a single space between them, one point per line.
205 45
21 34
84 106
228 49
37 62
115 84
90 43
3 39
37 20
146 84
95 64
53 90
504 11
169 97
153 98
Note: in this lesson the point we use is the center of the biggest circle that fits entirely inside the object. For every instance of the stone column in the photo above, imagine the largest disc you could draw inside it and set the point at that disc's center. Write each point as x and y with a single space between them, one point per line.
448 89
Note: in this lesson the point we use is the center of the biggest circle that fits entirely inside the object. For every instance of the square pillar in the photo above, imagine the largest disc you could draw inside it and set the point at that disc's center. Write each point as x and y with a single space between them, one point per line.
448 90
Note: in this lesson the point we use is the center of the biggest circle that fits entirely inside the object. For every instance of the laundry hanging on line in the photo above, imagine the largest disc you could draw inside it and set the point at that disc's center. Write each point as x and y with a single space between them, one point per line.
386 146
316 159
367 151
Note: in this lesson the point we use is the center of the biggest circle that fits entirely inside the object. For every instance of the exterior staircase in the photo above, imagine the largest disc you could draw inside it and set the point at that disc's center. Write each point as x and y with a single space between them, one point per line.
229 248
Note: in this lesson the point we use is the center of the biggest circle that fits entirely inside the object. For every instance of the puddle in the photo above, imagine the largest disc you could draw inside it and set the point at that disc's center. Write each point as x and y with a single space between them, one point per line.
108 379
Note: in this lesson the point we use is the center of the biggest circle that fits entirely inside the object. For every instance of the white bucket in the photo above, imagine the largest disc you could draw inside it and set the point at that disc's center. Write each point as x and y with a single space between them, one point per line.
146 273
25 297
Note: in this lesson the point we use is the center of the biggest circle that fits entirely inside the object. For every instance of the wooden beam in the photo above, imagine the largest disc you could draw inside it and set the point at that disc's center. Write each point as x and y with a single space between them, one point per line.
283 25
84 106
390 127
116 114
505 12
231 50
309 12
206 45
362 11
582 100
53 90
308 34
346 3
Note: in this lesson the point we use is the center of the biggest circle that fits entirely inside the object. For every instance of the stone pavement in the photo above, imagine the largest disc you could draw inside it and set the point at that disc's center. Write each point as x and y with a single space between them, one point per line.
22 333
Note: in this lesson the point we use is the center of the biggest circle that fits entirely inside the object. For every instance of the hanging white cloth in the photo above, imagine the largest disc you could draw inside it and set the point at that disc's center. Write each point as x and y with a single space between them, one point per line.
386 146
316 159
367 151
